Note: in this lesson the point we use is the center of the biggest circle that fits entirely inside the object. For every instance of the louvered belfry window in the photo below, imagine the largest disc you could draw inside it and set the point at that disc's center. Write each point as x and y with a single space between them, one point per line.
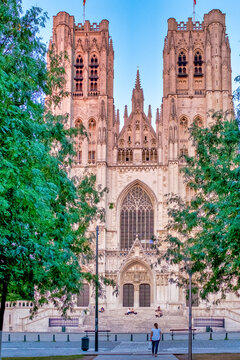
136 218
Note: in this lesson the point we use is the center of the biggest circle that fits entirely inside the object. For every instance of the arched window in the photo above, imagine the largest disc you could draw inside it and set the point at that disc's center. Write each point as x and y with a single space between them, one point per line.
149 155
198 121
92 141
79 75
183 153
182 64
83 297
136 218
78 143
198 64
125 156
93 76
183 129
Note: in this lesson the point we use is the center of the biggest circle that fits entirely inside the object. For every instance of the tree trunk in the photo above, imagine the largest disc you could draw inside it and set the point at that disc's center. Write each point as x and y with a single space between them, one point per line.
2 310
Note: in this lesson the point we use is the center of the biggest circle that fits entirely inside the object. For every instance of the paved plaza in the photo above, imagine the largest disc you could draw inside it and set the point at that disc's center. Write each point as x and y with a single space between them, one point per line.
70 344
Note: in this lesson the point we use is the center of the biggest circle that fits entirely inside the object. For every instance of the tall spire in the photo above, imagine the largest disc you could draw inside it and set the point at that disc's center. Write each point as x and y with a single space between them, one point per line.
137 96
138 82
125 114
150 114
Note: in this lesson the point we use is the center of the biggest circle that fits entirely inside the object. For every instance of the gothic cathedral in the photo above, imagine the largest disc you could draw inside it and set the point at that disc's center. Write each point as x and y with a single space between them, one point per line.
140 163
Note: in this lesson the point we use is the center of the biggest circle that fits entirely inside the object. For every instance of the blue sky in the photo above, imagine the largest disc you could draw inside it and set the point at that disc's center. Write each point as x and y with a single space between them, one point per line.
138 28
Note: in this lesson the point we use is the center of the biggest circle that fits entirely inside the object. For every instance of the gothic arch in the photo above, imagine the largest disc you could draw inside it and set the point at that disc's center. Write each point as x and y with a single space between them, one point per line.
145 187
198 119
136 272
139 218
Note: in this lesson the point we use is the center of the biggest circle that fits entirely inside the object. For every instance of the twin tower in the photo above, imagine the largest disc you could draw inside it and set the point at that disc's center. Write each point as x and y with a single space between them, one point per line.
140 163
196 79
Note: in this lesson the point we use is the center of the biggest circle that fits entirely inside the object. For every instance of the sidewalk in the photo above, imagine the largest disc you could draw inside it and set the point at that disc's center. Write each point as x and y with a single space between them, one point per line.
135 357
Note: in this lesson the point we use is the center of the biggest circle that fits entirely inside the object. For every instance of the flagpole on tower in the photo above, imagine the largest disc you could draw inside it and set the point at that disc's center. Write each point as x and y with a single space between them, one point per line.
194 10
84 2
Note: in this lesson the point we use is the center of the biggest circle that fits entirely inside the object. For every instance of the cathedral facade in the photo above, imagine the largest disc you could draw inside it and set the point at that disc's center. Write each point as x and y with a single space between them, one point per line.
140 163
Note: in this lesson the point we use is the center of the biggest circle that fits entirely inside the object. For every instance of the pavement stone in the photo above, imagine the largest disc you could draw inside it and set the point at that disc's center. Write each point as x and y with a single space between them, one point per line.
135 357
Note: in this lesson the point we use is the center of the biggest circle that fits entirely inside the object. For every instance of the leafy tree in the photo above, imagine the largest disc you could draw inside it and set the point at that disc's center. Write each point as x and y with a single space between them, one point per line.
204 235
44 215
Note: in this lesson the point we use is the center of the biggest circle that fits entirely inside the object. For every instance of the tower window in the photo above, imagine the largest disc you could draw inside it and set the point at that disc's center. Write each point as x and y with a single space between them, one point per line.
93 76
79 75
182 64
198 64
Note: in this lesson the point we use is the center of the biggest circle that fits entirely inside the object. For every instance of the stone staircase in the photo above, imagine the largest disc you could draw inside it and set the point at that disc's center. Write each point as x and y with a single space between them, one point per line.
117 321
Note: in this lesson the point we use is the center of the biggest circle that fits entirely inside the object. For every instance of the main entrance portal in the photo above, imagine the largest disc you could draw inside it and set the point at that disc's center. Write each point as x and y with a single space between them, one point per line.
136 286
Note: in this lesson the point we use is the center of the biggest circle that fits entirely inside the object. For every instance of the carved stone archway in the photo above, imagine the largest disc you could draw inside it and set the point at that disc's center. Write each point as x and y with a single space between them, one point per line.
137 273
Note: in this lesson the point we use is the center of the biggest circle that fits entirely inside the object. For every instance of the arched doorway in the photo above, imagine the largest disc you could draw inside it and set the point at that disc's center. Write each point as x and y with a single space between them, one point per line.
83 297
128 295
144 295
137 285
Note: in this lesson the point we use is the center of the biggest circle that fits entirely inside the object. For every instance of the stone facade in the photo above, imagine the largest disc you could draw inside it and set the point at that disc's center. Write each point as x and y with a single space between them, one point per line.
140 164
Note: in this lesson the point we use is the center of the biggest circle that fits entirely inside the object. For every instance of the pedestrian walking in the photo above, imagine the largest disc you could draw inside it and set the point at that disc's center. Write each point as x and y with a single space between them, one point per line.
155 338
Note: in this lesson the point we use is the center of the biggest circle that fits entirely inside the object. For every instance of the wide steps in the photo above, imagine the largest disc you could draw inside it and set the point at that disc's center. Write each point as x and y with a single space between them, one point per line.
117 321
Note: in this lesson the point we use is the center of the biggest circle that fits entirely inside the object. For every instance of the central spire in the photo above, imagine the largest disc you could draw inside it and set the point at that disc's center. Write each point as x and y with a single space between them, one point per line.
137 96
138 82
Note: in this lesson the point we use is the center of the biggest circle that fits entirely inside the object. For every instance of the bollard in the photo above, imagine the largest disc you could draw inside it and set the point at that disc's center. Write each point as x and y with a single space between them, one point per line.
68 338
210 337
115 337
53 338
226 336
131 337
147 337
172 335
38 338
162 337
24 338
9 338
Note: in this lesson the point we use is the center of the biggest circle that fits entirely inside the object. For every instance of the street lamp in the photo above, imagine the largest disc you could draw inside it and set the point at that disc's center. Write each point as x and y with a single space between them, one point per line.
190 315
96 294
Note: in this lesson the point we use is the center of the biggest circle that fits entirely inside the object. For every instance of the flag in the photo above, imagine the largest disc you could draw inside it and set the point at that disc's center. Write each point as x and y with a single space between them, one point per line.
84 2
195 2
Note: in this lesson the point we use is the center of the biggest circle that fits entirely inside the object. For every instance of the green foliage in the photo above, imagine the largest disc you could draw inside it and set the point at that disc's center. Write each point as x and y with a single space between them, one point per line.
44 215
204 235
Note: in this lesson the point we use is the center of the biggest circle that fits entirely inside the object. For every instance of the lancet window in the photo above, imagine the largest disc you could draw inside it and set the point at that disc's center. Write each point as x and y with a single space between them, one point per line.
93 76
136 218
125 156
149 155
198 64
182 64
78 143
92 141
79 75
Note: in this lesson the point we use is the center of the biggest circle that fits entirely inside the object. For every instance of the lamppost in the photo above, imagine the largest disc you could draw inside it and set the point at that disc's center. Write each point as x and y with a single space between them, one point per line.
96 294
190 315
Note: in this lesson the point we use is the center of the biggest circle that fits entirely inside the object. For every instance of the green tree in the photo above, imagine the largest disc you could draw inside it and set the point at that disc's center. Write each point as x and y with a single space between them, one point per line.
44 215
205 231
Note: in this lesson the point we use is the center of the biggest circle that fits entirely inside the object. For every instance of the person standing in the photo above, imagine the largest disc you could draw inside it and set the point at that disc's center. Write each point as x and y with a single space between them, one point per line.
155 338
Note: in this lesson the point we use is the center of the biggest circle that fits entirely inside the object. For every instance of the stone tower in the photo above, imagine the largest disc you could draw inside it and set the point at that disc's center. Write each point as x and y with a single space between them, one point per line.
90 82
196 79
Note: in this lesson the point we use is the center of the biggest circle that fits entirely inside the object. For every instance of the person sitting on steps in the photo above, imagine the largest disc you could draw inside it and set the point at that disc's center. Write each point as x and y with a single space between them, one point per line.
158 312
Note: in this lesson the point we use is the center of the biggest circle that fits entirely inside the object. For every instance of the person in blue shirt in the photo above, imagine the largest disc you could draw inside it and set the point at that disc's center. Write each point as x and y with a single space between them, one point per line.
155 338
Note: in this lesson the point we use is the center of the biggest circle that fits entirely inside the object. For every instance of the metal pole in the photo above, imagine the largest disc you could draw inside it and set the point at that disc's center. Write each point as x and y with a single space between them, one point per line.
190 317
83 14
96 298
194 11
